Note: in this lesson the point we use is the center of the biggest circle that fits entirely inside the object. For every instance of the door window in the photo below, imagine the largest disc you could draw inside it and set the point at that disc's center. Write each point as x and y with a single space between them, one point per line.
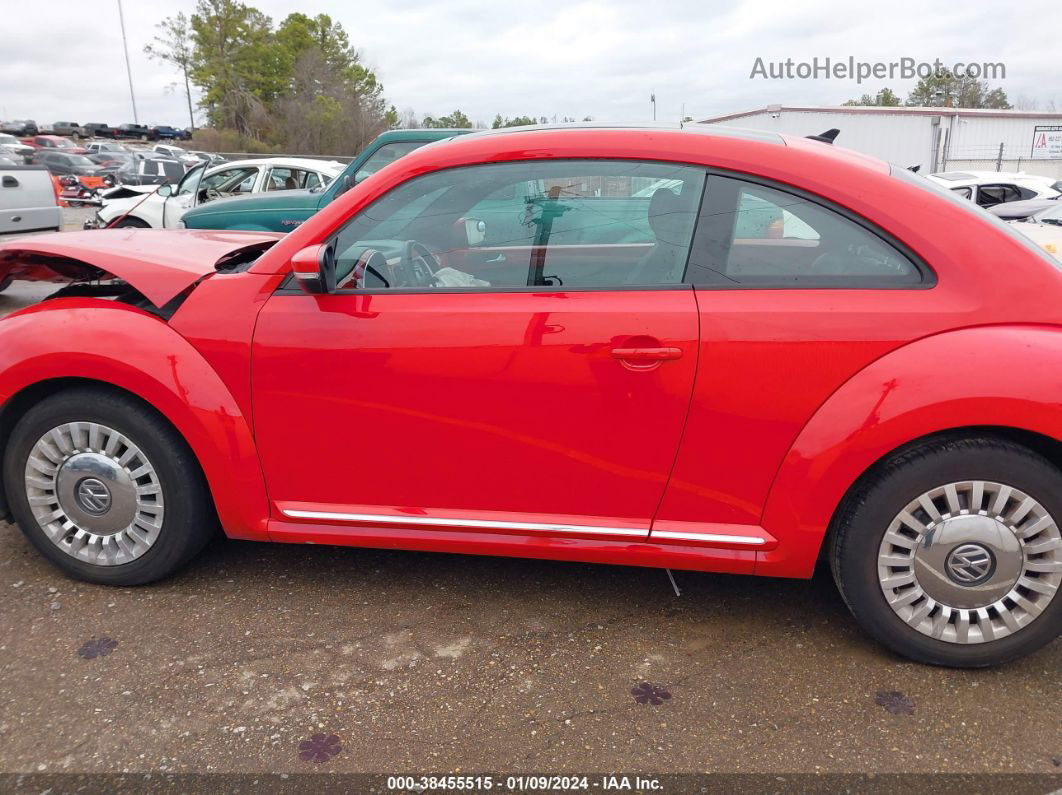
554 224
754 235
991 195
229 182
291 179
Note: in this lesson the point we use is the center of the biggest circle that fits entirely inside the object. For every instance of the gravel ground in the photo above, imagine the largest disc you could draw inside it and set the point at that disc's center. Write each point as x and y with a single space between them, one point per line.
424 663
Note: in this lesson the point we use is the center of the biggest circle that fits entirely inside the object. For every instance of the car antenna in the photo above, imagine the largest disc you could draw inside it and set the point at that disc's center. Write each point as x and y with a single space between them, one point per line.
914 169
826 137
674 584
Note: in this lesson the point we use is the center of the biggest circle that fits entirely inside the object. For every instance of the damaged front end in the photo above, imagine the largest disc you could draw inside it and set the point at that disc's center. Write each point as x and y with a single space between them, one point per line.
152 269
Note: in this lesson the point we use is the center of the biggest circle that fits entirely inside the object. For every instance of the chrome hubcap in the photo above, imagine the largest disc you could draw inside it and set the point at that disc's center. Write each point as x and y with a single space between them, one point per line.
94 493
970 562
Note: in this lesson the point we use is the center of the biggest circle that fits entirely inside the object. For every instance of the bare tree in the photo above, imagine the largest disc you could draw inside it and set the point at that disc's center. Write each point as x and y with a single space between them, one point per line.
173 45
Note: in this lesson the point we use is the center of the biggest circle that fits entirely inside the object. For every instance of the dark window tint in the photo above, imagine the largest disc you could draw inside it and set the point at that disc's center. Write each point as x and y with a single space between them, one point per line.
990 195
757 236
559 223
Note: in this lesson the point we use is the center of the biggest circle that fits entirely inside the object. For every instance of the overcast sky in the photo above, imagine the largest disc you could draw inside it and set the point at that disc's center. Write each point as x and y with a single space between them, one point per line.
63 59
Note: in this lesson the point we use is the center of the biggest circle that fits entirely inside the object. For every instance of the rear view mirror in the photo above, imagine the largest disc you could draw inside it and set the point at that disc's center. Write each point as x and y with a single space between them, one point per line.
314 268
165 190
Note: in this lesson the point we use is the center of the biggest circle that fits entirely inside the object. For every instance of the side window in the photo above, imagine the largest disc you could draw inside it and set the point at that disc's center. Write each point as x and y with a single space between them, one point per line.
545 224
283 178
757 236
965 192
991 195
384 156
231 181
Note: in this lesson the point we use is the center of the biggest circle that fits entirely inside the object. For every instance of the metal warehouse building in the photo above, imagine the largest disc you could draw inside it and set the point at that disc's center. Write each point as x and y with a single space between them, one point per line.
937 139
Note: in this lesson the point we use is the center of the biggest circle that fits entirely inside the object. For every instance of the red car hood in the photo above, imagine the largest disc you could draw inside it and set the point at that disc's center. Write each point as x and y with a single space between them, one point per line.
158 263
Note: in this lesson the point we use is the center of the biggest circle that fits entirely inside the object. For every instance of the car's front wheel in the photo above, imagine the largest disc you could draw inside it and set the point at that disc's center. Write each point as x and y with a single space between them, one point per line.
105 488
951 552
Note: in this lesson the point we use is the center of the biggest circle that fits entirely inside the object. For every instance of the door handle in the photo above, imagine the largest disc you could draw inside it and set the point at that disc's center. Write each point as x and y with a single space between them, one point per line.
646 354
10 182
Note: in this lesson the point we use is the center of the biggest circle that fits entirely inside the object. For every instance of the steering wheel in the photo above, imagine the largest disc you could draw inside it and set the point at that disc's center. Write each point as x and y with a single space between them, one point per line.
418 266
370 263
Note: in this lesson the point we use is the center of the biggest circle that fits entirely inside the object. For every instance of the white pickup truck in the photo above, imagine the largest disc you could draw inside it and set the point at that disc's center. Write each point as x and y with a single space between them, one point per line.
28 202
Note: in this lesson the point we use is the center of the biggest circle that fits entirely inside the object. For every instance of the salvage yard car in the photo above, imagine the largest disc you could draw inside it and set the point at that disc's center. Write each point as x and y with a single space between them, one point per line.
283 212
992 188
28 202
880 393
127 206
1045 228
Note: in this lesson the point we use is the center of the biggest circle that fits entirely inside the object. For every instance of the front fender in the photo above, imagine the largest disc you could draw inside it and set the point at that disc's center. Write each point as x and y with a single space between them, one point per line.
136 351
994 375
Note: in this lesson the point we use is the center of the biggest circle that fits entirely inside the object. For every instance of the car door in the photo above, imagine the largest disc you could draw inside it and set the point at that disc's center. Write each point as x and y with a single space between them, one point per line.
546 402
795 296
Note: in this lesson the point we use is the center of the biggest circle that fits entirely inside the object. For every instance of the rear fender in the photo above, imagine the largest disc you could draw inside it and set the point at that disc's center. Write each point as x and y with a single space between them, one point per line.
1008 376
135 351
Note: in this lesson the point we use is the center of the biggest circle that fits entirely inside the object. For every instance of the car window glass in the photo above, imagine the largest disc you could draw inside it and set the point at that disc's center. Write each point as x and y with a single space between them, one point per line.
385 155
284 178
563 223
966 192
760 236
228 182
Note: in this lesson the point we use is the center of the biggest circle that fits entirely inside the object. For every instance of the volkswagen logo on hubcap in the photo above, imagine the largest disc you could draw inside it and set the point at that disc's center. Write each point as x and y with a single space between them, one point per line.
93 496
970 564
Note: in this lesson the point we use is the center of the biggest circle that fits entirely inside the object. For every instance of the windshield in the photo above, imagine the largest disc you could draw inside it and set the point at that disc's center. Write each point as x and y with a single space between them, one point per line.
80 160
190 180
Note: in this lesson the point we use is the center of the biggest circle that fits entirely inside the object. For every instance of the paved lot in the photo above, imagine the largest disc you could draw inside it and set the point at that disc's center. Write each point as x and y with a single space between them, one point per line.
432 663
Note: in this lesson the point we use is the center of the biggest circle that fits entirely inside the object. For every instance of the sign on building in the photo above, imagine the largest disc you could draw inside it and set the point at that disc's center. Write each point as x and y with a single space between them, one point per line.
1047 142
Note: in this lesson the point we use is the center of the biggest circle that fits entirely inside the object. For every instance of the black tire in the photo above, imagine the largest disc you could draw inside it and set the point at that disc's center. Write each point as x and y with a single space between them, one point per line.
886 491
189 521
131 223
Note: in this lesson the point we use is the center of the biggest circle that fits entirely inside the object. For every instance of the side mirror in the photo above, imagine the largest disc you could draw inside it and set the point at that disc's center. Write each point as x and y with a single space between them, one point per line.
165 190
314 268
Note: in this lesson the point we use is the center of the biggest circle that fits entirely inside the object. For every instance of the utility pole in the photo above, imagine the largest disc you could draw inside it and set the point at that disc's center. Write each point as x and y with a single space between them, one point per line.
652 98
128 68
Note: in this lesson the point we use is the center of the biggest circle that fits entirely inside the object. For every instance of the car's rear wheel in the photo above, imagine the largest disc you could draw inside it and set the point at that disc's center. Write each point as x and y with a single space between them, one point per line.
105 488
951 552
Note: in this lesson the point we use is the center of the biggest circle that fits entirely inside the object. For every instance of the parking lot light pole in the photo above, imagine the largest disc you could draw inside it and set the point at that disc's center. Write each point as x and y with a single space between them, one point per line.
128 68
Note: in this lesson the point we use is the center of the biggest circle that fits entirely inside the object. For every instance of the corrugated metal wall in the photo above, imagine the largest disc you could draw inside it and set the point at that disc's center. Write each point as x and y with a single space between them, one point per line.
909 139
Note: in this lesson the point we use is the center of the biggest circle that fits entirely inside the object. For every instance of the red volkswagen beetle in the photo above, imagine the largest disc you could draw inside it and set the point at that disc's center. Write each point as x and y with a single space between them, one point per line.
697 349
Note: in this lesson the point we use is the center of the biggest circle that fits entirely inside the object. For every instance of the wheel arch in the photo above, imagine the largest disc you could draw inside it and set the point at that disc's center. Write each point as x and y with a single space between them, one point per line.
178 385
901 400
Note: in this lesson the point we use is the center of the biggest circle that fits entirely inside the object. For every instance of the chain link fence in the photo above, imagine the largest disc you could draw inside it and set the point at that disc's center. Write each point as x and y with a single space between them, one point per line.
998 157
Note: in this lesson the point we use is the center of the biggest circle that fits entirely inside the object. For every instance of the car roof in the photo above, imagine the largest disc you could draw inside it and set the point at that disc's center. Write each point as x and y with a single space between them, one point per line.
962 179
421 134
292 162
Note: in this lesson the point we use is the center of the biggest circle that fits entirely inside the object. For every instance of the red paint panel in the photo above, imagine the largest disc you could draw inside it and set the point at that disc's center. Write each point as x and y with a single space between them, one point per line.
585 550
507 402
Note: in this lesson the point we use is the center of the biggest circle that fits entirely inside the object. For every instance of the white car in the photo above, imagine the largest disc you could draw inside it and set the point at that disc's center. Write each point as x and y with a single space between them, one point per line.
989 188
161 207
177 153
1045 229
10 146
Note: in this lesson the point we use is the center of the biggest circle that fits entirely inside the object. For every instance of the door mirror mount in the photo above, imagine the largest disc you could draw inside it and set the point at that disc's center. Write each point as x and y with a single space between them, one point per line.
314 268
